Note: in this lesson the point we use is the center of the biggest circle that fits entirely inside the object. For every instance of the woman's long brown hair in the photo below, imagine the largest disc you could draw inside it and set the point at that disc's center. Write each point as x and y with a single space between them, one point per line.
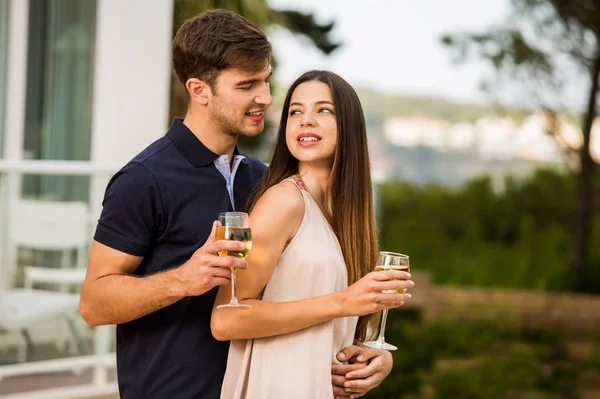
350 191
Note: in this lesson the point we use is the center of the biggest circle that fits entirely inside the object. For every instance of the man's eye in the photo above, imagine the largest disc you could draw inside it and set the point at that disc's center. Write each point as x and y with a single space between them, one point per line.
246 87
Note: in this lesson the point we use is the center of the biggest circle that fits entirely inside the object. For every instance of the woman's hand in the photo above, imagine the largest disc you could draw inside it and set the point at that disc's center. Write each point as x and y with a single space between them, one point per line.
366 295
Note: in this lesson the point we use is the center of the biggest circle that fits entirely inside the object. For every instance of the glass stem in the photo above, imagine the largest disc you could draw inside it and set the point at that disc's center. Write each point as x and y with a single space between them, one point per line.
233 291
381 337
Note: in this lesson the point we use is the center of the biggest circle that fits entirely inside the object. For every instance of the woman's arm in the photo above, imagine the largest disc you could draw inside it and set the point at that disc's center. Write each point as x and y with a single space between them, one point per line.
274 221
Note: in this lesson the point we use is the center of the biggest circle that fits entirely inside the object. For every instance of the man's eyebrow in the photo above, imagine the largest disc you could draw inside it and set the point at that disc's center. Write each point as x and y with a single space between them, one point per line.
250 81
318 102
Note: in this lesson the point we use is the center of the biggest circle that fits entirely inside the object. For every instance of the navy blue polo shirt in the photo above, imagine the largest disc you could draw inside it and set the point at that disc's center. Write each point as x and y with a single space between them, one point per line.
161 206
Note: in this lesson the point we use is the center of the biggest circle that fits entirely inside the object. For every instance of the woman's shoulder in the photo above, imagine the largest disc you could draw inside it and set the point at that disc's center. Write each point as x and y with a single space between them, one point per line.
284 196
280 210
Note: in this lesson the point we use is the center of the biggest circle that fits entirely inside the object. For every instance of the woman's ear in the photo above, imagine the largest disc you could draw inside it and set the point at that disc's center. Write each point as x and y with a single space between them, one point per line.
200 92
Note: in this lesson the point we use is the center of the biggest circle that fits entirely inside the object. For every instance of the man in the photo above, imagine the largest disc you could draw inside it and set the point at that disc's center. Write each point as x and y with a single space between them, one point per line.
148 270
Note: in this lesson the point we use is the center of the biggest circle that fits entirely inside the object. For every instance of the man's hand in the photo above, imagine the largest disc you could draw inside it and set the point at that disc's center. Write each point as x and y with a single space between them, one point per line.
367 368
205 269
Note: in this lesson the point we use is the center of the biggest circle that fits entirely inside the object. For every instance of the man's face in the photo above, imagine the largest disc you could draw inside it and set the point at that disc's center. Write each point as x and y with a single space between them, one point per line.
239 101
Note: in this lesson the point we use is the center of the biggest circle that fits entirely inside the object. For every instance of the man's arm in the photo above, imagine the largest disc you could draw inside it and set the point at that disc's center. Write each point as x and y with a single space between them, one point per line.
112 295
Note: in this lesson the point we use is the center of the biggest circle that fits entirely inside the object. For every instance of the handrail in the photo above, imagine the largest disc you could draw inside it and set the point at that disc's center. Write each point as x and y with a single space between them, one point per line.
56 167
57 365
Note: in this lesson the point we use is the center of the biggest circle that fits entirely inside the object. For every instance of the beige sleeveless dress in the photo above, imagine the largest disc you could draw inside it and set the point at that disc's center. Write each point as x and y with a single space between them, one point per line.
296 365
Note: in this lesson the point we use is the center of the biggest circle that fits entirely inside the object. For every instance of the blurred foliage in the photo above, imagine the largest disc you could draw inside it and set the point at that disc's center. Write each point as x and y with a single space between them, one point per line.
518 236
543 49
264 16
473 359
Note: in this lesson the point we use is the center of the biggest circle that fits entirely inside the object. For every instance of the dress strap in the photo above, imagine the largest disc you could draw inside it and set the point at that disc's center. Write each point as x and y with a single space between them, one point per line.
297 180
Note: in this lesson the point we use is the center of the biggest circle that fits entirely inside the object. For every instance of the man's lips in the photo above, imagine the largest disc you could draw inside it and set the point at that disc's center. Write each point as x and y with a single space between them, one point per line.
256 113
256 116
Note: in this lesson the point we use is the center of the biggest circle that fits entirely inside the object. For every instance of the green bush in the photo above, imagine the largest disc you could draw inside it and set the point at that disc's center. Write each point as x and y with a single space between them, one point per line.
518 237
477 359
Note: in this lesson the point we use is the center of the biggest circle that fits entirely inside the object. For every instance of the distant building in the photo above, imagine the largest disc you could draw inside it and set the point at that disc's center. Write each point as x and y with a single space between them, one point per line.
461 137
491 138
413 131
496 138
534 141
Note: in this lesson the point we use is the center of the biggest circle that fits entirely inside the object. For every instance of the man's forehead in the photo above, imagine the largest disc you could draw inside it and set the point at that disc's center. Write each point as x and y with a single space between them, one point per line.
240 73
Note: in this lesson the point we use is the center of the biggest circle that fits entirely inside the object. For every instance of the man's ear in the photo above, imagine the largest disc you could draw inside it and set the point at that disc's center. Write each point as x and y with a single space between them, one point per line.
199 90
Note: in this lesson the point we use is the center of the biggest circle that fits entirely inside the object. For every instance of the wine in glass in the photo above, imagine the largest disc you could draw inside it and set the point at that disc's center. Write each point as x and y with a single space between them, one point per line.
388 261
234 226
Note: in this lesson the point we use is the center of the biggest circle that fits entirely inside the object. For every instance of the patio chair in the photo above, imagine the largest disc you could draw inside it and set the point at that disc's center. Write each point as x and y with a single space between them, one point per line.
48 226
43 225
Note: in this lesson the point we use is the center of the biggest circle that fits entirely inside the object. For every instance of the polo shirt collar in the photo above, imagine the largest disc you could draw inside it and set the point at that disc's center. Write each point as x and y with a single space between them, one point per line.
191 147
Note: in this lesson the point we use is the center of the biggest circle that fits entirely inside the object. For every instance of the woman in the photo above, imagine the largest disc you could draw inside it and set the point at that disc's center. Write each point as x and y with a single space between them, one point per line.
313 234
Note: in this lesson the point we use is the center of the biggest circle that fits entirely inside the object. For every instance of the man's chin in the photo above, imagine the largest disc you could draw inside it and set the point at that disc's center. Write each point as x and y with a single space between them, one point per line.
251 132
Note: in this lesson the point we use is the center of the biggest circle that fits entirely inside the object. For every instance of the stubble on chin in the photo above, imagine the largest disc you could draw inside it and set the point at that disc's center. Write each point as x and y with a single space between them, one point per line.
251 132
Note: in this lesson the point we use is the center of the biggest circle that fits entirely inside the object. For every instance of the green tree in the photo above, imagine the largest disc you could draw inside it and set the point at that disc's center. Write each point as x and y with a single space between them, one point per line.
549 45
264 16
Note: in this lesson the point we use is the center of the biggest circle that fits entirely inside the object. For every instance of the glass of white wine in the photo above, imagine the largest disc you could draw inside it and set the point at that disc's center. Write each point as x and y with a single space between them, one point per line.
388 261
234 226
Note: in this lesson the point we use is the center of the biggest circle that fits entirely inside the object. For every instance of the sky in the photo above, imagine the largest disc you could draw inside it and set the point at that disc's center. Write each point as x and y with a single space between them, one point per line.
391 45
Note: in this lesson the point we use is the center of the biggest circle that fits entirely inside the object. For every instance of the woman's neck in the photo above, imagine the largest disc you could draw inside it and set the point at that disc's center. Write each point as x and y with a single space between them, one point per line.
316 181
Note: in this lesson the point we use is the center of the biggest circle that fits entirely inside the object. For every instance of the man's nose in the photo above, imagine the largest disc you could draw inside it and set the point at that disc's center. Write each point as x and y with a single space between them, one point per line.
264 97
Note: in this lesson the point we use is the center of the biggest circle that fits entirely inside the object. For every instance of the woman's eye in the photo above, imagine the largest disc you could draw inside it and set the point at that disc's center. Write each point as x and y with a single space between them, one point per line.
294 112
326 110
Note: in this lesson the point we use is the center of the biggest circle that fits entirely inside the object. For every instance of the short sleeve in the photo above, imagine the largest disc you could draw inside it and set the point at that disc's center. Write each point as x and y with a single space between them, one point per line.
132 211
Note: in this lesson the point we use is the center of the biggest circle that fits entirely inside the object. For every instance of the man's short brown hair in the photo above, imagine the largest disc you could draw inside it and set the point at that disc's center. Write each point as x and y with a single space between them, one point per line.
216 40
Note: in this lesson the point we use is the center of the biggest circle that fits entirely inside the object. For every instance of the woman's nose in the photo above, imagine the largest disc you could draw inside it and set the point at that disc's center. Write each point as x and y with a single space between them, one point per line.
307 120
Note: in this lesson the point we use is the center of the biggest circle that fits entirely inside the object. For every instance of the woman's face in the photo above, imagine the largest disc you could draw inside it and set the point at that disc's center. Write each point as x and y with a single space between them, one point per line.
311 130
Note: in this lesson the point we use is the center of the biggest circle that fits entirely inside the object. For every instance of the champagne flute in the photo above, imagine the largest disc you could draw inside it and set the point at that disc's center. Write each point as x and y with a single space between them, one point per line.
388 261
234 226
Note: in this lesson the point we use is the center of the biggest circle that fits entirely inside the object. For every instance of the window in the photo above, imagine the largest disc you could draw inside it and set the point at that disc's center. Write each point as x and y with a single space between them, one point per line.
59 91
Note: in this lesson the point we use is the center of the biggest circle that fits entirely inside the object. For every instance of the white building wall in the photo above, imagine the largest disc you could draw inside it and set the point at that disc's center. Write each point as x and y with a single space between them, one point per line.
131 82
131 85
